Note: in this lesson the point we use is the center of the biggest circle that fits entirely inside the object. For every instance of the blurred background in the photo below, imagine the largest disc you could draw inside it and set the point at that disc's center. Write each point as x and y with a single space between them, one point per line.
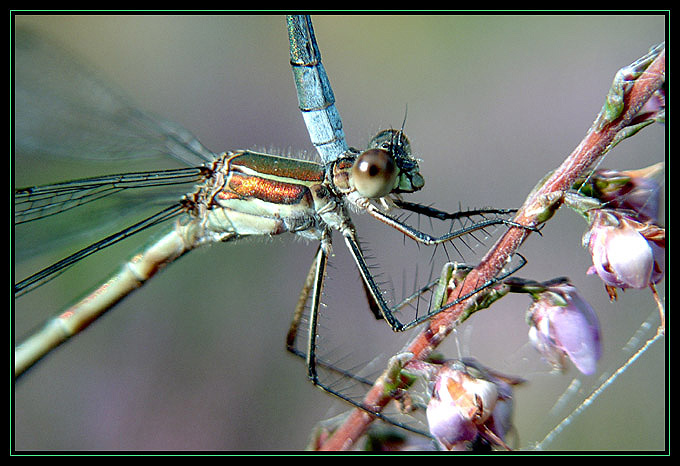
195 360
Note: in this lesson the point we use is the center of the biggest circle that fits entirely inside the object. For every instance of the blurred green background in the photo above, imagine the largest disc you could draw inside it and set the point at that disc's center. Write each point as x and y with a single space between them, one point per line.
195 360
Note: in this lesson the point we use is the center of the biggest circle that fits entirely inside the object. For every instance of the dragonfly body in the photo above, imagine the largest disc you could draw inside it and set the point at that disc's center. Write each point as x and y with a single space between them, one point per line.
244 193
315 96
257 194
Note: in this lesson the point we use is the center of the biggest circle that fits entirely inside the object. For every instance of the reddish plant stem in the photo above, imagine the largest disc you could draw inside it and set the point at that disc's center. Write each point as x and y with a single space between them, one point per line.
592 147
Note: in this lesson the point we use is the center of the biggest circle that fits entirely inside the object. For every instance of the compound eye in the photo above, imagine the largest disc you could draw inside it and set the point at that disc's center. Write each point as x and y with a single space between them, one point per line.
374 173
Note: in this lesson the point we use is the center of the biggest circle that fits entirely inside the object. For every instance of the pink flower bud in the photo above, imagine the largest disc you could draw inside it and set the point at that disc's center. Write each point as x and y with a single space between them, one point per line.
623 257
564 325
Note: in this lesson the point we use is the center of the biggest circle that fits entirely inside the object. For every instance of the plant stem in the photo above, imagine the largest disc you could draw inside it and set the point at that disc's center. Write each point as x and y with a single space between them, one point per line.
546 198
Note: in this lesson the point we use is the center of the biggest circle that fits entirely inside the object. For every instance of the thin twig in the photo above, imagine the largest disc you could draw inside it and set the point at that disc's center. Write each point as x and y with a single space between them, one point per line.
546 198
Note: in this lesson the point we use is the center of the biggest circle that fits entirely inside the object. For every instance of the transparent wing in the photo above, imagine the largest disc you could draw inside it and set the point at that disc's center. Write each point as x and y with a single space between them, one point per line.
62 109
64 112
43 201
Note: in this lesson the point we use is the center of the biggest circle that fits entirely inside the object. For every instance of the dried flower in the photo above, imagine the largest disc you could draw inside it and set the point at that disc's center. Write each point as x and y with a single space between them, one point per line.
469 405
653 109
634 191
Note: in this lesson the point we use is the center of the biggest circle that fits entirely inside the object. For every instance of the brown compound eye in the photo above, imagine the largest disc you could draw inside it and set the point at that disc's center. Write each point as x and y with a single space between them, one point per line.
374 173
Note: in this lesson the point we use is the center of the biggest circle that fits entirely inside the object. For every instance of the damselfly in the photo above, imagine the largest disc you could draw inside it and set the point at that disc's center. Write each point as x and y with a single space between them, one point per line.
245 193
273 275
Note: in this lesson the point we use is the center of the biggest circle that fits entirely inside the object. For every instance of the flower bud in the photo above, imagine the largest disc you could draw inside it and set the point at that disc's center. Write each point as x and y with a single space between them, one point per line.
564 325
626 253
468 404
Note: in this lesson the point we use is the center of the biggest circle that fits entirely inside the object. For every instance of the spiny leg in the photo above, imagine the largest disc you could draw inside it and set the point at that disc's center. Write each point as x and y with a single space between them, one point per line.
386 311
430 211
424 238
314 285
